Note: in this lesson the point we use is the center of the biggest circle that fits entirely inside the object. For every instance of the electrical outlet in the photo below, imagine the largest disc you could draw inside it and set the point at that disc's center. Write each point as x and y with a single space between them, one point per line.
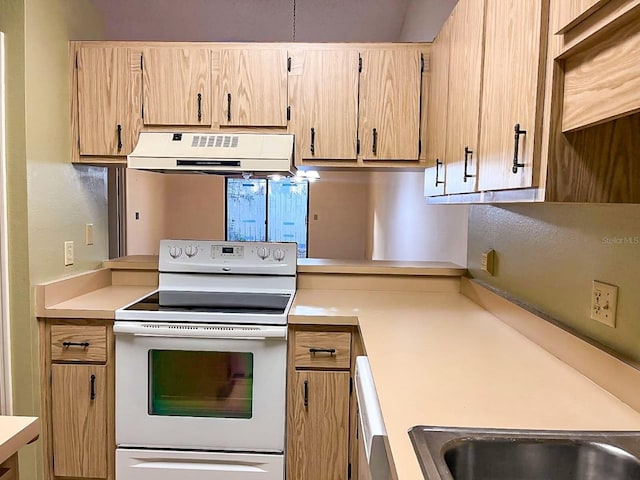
487 261
604 302
68 253
88 234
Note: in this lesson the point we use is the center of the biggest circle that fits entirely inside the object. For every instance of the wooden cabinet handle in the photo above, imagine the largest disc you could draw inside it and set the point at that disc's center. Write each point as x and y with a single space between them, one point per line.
516 148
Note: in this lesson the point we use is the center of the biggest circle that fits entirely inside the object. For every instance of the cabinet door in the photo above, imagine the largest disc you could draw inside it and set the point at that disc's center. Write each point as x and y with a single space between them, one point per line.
463 109
108 100
318 426
437 113
254 87
510 93
389 115
177 86
323 96
79 420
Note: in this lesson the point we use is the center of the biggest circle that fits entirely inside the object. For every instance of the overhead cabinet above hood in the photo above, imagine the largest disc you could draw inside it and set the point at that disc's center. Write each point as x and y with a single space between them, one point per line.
217 153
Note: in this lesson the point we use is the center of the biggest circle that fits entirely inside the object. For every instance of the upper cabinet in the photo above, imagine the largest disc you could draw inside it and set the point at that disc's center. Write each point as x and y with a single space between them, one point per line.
436 122
108 100
323 101
465 74
177 86
574 11
511 106
253 87
389 110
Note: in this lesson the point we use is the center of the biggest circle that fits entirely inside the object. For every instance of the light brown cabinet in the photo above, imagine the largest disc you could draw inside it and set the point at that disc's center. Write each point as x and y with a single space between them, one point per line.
79 414
512 97
389 104
320 405
574 11
109 110
77 361
253 87
436 122
323 101
9 468
177 86
463 106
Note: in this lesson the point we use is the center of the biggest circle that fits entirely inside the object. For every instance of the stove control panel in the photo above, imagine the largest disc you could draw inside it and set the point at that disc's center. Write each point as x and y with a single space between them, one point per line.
228 257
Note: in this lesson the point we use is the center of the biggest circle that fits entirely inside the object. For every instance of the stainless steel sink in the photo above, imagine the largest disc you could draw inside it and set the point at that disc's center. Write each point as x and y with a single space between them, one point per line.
493 454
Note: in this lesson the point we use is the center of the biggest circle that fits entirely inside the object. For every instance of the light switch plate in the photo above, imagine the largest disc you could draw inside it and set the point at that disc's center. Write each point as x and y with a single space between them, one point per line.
487 261
604 303
68 253
88 234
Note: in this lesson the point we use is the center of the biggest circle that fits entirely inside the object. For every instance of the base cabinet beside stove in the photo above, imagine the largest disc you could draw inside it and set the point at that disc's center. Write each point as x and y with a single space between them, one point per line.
320 405
77 394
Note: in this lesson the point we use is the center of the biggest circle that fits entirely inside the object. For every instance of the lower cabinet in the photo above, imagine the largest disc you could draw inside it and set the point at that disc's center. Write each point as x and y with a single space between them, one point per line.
321 411
77 398
9 468
319 416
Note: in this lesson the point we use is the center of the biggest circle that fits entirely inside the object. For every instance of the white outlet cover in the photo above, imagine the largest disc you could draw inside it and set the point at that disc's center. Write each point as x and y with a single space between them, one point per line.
68 253
604 303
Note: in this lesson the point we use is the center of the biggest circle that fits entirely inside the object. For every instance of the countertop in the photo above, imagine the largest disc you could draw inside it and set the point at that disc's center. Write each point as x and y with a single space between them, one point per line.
15 433
440 359
100 303
321 265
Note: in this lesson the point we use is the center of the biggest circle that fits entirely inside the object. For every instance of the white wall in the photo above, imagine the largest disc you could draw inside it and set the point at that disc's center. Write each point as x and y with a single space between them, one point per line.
405 227
424 18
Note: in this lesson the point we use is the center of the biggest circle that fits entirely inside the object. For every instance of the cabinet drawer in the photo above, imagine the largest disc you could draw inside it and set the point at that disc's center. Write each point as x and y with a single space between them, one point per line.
79 343
323 350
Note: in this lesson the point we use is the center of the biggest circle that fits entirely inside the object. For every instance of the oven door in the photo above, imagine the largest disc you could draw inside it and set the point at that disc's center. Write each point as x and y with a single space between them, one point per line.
202 387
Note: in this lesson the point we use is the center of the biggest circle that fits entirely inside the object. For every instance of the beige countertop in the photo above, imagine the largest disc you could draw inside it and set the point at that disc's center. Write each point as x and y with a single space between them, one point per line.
440 359
100 303
15 433
321 265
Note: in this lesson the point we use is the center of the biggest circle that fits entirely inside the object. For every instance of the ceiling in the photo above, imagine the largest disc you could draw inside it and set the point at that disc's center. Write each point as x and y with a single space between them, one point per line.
256 20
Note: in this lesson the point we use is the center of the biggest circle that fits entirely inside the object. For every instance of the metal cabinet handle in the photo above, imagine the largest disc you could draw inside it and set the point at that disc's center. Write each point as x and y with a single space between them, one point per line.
93 387
313 141
199 107
467 152
375 142
228 107
438 165
330 351
75 344
119 137
516 148
305 393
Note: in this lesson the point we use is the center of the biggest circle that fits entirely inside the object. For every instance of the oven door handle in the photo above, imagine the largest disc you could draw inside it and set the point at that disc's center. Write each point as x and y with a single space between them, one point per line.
199 331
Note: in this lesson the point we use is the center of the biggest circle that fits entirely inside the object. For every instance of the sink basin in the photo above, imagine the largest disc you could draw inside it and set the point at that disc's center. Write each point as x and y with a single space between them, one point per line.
498 454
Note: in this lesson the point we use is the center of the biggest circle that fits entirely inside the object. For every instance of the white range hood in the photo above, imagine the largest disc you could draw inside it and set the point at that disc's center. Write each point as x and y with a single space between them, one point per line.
218 153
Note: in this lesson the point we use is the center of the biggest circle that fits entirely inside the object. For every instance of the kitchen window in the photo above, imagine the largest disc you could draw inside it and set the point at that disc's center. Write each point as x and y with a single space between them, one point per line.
268 210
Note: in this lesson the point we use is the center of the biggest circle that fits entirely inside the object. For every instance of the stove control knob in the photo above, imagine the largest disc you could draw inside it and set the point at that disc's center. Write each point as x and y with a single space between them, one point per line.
278 254
191 250
263 252
175 252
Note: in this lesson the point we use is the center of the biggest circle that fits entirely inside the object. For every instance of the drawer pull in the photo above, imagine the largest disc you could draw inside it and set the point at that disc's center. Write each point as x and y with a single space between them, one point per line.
75 344
330 351
93 387
516 148
305 393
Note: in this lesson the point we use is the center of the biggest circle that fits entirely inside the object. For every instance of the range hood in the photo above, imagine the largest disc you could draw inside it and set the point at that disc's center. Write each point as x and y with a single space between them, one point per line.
218 153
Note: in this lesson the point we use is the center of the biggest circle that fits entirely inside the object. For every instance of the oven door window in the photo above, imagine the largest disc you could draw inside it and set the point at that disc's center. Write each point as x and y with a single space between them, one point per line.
200 384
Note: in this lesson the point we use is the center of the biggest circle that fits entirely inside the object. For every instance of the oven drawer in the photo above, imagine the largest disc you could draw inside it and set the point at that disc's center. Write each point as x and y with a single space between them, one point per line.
79 343
323 350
